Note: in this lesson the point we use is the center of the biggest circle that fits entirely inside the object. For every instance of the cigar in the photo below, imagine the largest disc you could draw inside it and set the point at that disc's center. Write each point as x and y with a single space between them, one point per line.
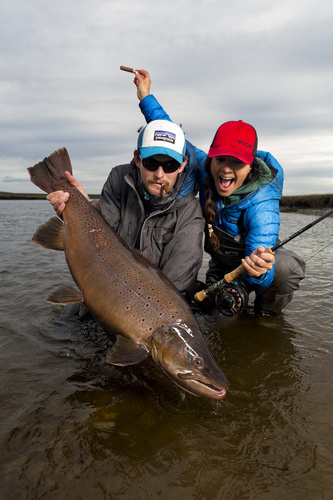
129 70
166 188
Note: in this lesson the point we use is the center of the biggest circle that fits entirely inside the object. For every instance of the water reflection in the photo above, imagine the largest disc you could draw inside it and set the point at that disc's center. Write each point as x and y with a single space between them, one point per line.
75 427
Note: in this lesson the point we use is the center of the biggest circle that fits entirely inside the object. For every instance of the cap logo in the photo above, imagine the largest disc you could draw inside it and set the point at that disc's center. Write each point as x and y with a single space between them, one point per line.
246 144
161 135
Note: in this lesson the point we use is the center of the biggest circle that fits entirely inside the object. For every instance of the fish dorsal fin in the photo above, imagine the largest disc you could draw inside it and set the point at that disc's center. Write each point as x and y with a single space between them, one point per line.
126 352
64 295
51 234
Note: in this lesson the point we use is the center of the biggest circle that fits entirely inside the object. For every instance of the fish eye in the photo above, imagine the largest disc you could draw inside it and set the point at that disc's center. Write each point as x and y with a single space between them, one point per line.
198 361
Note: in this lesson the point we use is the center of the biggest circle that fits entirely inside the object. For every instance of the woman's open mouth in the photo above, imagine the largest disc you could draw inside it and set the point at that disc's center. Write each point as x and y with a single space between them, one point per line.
226 182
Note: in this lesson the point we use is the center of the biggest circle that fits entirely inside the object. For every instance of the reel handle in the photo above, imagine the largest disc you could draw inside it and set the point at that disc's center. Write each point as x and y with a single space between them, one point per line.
201 295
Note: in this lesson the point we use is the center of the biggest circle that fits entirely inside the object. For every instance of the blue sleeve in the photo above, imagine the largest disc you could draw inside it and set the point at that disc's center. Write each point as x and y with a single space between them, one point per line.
262 222
152 110
263 229
258 284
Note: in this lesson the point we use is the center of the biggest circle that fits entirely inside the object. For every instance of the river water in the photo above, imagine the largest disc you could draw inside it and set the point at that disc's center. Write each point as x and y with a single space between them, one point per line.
74 427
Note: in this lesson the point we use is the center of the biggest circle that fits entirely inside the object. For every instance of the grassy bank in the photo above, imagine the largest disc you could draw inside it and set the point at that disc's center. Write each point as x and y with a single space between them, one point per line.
311 201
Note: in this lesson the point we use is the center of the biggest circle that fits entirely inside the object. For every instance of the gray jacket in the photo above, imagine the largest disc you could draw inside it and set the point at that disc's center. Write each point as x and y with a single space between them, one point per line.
168 229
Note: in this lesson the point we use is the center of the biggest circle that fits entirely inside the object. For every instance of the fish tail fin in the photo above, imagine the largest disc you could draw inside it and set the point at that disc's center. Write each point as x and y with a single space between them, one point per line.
50 235
51 170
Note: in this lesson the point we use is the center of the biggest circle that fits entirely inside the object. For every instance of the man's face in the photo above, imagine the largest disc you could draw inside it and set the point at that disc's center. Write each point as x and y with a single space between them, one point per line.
158 182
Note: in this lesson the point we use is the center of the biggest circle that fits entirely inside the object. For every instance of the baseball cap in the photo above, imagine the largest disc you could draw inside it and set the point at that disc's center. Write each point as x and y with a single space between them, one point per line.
162 137
237 139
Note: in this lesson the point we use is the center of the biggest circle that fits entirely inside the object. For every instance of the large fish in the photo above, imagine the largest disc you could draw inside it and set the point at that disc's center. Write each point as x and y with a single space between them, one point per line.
126 294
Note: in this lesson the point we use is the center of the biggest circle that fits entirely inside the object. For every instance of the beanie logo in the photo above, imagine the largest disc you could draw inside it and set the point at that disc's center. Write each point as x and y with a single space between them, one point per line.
161 135
246 144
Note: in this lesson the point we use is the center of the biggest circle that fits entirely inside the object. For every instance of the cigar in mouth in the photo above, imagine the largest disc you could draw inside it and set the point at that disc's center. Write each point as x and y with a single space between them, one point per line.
129 70
166 188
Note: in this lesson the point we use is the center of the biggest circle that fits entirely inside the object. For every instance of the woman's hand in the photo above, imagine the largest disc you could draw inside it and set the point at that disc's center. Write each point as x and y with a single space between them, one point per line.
58 198
142 82
258 263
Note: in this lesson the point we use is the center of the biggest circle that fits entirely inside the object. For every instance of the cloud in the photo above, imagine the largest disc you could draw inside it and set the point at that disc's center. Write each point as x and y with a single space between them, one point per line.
268 63
13 179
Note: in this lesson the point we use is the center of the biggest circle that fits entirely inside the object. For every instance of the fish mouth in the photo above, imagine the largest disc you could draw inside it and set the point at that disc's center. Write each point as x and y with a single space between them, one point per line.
199 387
212 391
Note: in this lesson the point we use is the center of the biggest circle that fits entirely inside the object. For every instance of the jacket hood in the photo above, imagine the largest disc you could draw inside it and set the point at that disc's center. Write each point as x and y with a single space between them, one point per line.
271 190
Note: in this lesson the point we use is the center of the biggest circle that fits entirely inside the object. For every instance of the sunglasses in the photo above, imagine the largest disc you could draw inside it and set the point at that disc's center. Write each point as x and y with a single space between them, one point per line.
168 166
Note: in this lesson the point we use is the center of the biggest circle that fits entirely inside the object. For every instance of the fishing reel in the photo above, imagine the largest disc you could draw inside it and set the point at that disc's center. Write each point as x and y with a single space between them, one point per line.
231 298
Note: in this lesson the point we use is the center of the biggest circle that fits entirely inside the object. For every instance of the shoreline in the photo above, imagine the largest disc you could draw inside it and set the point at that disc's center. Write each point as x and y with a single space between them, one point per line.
4 195
287 203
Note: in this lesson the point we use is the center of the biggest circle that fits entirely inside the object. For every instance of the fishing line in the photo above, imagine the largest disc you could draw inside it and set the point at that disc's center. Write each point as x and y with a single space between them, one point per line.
231 296
294 235
294 269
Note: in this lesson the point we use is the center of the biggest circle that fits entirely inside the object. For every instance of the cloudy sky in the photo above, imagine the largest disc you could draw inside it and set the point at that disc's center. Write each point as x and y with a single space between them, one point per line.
266 62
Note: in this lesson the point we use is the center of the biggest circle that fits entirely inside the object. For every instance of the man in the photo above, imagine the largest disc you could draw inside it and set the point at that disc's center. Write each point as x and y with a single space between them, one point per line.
151 203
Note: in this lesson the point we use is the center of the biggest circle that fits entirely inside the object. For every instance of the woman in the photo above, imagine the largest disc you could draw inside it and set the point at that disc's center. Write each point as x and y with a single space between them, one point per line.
240 189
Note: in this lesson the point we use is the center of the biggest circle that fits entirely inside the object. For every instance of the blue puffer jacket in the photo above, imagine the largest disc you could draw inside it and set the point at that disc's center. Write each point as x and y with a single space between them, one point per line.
257 215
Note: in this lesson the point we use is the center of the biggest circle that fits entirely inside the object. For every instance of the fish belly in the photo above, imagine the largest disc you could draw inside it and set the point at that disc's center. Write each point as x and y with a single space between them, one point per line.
123 290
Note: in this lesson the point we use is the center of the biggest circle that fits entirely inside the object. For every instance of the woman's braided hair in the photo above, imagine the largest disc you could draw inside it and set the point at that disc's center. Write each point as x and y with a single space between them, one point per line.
212 243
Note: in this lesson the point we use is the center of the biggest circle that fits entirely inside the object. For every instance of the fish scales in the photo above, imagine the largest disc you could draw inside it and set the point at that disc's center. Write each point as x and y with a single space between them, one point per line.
126 293
135 290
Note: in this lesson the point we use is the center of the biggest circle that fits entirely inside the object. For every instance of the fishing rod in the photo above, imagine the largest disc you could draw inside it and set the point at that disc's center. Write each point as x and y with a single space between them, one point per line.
236 295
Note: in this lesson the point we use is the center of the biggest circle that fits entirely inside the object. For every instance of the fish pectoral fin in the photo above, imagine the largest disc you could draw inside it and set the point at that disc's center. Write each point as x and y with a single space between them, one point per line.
64 295
83 309
51 234
126 352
